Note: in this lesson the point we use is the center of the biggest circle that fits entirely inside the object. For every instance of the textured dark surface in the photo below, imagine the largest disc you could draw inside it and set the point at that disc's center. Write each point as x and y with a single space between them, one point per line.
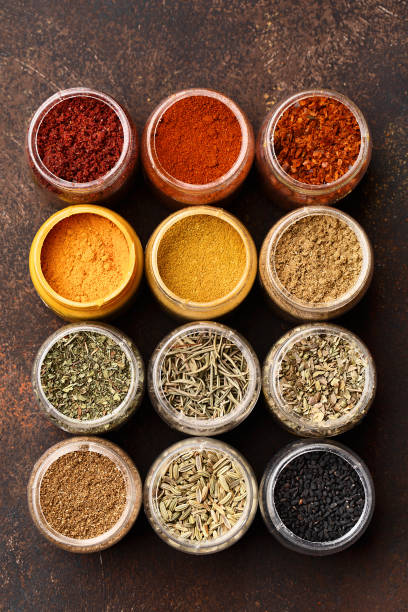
256 52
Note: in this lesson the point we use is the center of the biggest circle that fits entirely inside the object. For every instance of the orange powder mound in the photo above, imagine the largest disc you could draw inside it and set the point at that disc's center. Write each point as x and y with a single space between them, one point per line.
85 257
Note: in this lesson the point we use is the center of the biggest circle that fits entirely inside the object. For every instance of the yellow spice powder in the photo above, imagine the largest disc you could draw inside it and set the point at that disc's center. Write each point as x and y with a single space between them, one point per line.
201 258
85 257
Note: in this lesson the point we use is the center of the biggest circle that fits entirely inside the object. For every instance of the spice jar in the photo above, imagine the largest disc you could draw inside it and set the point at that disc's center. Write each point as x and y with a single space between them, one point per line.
64 514
80 133
204 378
86 262
319 380
88 378
355 505
208 527
200 263
197 148
325 259
289 192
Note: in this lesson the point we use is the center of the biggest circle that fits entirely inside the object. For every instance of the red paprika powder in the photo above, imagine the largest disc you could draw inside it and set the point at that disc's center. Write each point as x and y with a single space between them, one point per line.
198 139
317 140
80 139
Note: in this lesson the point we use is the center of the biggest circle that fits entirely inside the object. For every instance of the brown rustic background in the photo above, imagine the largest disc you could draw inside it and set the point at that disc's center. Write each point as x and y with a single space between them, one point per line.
255 52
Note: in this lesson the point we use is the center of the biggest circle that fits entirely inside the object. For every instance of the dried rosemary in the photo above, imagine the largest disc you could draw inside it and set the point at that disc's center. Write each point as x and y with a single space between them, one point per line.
201 495
322 377
85 375
204 375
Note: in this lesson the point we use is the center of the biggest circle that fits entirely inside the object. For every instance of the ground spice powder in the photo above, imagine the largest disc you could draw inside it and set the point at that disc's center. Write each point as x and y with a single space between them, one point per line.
317 140
85 257
82 494
318 258
198 139
201 258
80 139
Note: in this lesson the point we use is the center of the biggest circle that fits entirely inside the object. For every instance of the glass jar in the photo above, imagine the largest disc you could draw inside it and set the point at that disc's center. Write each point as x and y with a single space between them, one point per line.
187 309
106 188
122 412
191 425
288 305
267 501
133 494
177 193
101 308
202 547
281 410
291 193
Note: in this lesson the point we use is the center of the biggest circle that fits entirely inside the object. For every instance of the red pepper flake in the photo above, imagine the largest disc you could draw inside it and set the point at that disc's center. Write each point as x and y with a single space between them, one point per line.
317 140
80 139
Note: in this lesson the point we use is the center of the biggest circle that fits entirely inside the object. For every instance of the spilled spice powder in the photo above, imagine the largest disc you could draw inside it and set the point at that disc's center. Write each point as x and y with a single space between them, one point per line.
85 257
201 258
198 139
80 139
317 140
82 494
318 258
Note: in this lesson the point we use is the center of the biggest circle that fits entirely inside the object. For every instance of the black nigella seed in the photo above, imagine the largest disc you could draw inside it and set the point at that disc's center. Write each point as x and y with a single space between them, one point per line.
319 496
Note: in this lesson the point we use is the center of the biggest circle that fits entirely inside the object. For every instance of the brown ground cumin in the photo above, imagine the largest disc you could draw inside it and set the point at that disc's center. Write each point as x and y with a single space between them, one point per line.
82 494
318 258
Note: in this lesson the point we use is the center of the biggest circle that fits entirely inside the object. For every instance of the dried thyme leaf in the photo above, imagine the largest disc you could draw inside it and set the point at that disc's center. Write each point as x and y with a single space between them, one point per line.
85 375
195 501
204 375
322 377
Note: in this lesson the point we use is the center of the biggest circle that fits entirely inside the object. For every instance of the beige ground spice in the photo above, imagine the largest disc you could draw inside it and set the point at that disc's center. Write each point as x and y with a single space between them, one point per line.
82 494
201 258
318 259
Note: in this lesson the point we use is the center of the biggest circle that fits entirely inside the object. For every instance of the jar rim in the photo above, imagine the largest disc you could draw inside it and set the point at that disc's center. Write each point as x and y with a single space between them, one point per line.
206 426
131 478
299 186
46 107
153 513
223 215
282 226
282 460
287 341
52 222
157 115
105 330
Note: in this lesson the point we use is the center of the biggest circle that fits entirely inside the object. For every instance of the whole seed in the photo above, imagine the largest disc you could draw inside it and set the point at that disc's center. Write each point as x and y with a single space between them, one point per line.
85 375
204 375
319 496
198 502
322 377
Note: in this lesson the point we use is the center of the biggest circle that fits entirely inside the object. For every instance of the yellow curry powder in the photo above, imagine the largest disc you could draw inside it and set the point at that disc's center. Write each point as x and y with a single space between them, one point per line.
201 258
85 257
